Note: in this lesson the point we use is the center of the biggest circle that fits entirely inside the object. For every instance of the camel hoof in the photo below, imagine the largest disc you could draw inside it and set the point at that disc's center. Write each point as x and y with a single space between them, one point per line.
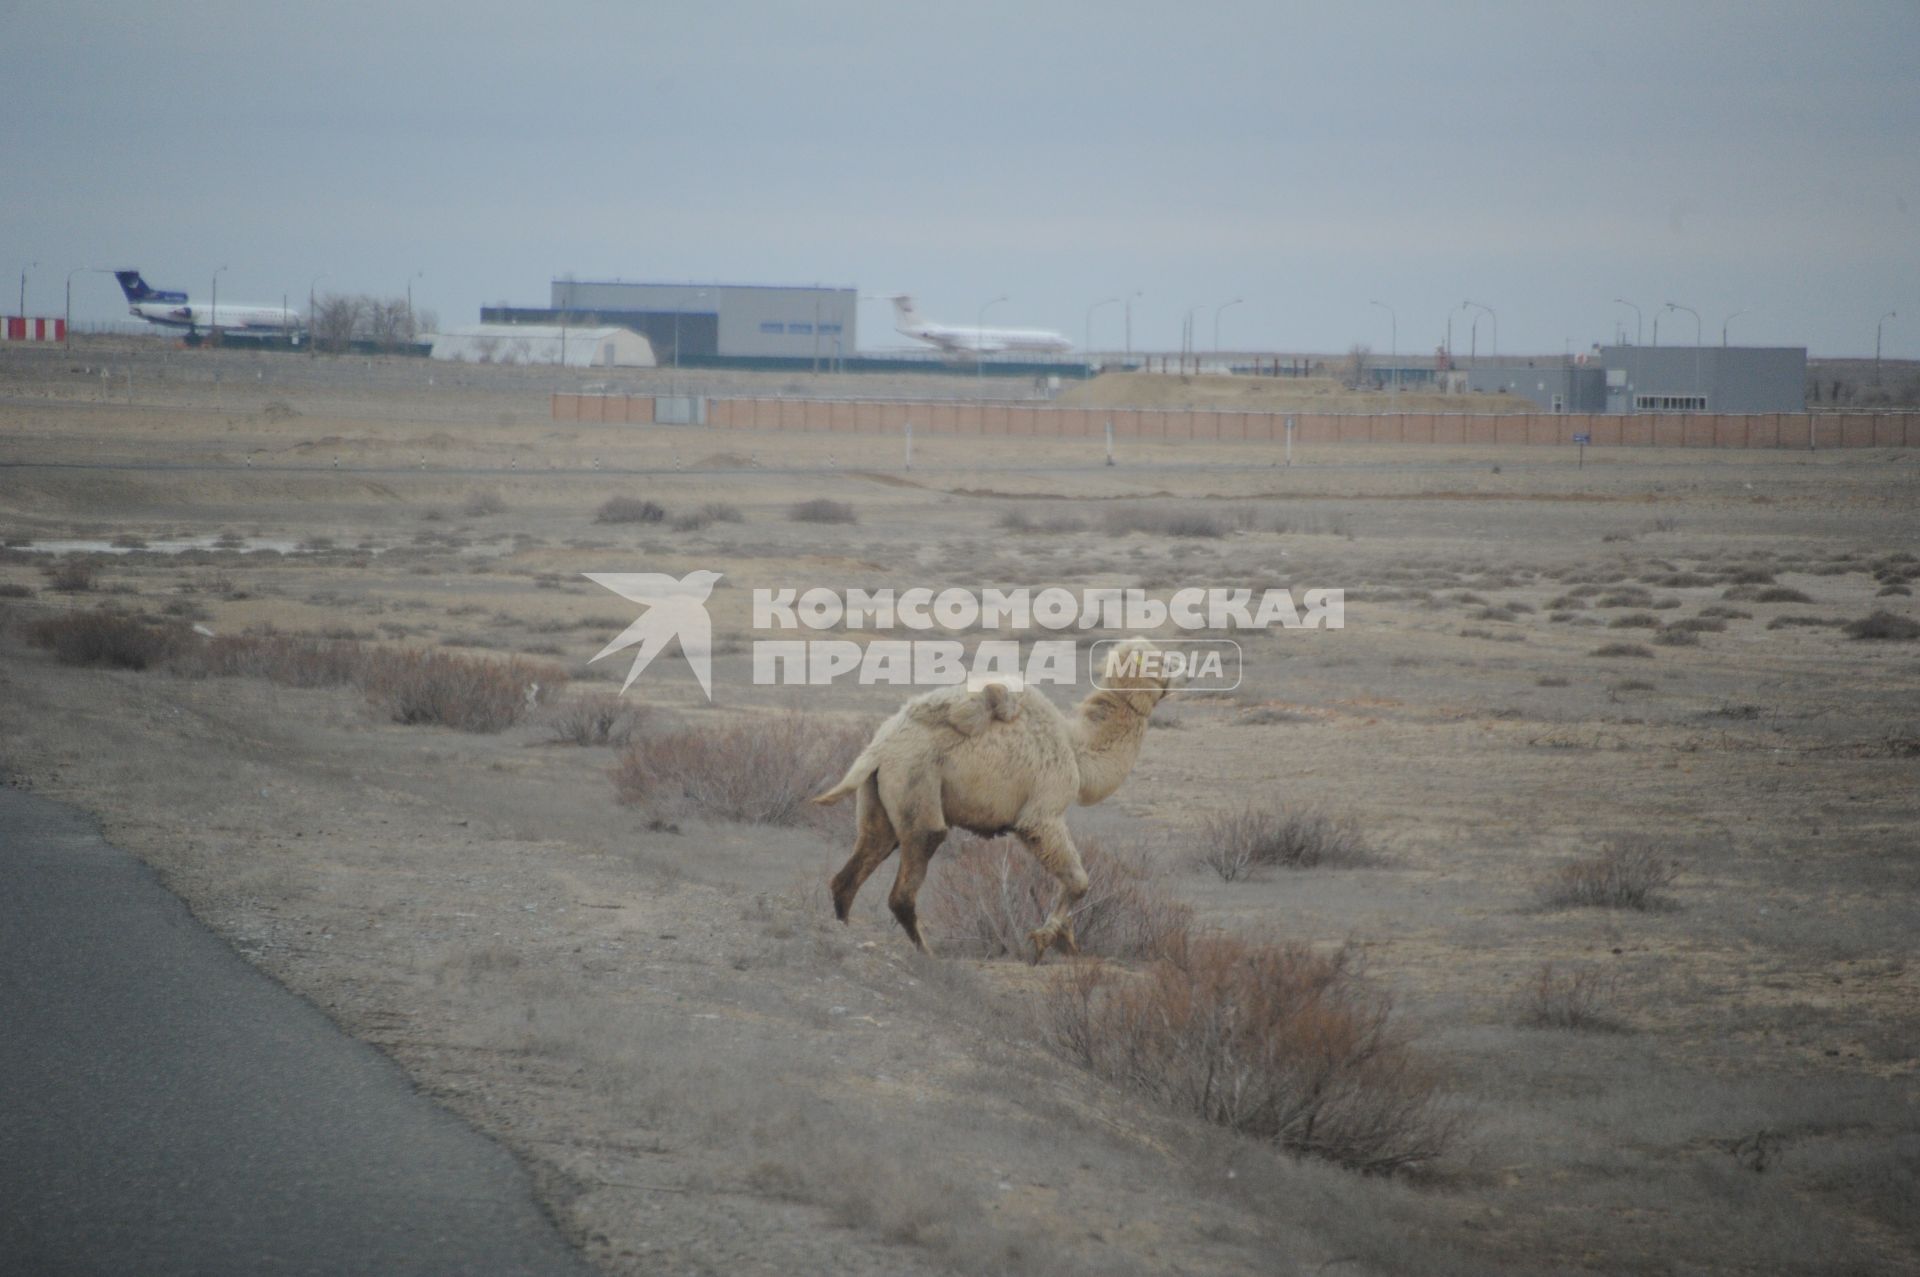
1040 943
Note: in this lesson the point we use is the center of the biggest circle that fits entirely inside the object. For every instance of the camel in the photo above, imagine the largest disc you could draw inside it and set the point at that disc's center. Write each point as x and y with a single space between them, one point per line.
993 760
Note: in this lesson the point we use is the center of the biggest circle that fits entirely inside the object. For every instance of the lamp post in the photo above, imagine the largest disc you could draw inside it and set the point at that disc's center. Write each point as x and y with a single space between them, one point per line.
78 270
213 307
980 339
1696 318
1729 319
1494 316
411 331
1621 301
1187 342
677 308
1473 333
1104 301
312 348
1877 330
23 286
1393 339
1130 296
1216 320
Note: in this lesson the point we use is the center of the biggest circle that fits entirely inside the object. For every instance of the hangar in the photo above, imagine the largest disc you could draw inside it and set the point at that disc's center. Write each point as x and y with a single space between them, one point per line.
689 323
1630 379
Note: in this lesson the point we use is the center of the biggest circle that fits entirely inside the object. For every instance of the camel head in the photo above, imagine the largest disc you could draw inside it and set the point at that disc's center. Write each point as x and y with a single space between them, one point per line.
1130 668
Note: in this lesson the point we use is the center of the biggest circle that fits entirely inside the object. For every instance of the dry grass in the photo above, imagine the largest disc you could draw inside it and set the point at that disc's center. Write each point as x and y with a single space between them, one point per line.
984 896
1627 873
15 590
1163 521
103 637
759 773
1884 626
599 718
441 689
70 576
628 510
444 690
1234 844
1622 649
1273 1041
821 510
479 505
1581 997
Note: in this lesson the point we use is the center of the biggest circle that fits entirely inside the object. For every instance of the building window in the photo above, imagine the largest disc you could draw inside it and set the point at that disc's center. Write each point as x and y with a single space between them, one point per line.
830 329
773 328
800 328
1559 403
1669 403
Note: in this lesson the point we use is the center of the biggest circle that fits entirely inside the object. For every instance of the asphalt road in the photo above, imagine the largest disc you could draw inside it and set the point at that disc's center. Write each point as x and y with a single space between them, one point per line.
167 1109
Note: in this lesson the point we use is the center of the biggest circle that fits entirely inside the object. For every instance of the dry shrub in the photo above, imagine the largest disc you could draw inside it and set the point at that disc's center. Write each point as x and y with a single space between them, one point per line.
1678 637
1627 873
628 510
15 590
479 505
293 660
760 772
118 640
1233 844
1635 620
1274 1041
706 515
1621 649
600 718
821 510
463 692
1885 626
1163 521
71 576
1780 594
1570 998
985 895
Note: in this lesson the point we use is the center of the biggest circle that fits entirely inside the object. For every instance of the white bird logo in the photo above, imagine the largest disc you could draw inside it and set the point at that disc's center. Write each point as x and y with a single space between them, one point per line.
675 609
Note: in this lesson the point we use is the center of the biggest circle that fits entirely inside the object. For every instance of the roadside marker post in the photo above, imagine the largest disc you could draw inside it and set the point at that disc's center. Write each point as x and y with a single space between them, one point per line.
1583 440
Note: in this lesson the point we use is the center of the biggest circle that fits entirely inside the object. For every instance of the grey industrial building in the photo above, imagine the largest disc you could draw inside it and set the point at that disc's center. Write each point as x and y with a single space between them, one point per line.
1629 379
695 322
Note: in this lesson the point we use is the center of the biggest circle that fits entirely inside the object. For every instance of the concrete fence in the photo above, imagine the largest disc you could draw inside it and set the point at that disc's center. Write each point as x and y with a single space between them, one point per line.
1652 430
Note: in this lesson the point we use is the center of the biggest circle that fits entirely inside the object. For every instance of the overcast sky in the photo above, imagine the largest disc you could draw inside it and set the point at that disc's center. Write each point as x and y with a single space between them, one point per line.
1539 159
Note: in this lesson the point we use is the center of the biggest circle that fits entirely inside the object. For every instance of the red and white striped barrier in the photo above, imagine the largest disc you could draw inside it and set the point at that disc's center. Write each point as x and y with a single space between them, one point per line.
33 328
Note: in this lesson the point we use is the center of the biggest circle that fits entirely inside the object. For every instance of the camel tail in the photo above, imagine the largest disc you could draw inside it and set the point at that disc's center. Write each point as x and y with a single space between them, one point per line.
864 766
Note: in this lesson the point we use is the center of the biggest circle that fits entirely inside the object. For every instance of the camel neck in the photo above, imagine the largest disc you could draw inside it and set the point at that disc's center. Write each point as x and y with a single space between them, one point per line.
1108 730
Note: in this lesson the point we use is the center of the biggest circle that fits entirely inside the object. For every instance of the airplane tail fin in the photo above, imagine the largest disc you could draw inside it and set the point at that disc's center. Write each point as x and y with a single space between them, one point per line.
904 315
137 289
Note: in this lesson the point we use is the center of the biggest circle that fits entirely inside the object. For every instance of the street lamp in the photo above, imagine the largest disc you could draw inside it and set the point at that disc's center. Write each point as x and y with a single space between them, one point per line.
23 286
980 340
68 330
1104 301
1696 318
1393 353
1729 319
312 349
1473 334
213 307
411 331
1495 317
1216 320
1621 301
677 308
1187 343
1130 296
1877 329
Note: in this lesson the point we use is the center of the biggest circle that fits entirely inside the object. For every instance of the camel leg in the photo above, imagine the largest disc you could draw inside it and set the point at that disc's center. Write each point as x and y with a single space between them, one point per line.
1053 847
873 842
916 852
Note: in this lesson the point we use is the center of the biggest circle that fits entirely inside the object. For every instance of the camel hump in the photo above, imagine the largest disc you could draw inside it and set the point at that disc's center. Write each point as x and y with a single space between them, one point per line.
982 707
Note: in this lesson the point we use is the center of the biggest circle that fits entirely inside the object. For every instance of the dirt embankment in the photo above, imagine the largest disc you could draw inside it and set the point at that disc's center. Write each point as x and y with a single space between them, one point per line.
1267 394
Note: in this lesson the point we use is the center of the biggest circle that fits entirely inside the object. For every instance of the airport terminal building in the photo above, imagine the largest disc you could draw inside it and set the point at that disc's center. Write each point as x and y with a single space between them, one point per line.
1629 379
689 323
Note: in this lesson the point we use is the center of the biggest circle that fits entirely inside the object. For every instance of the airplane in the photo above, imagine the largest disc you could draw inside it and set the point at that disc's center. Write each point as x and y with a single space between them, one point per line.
171 309
974 342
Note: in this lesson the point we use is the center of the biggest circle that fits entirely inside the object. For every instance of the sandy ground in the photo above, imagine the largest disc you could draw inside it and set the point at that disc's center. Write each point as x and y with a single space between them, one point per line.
706 1074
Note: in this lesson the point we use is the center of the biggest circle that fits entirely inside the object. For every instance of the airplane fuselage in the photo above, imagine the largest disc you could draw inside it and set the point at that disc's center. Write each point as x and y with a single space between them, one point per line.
974 342
234 316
